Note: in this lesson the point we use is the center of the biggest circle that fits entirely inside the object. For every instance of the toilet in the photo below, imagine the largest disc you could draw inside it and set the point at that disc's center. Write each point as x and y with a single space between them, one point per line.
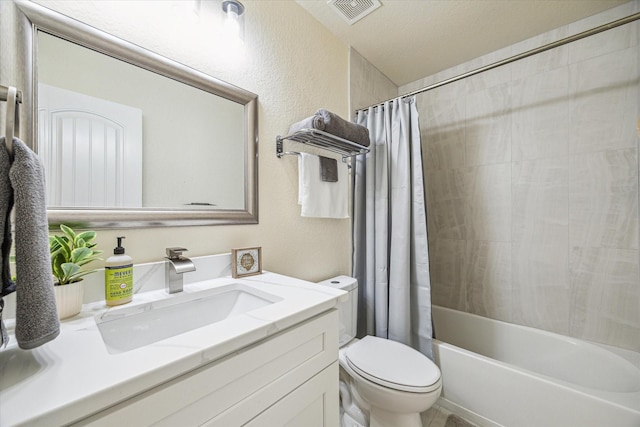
383 383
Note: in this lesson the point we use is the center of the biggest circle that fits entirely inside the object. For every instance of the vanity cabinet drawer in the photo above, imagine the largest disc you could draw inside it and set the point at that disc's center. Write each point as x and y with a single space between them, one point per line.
239 387
314 404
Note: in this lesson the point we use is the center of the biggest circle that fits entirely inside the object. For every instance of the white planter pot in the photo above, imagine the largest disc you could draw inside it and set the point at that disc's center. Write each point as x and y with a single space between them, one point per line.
69 299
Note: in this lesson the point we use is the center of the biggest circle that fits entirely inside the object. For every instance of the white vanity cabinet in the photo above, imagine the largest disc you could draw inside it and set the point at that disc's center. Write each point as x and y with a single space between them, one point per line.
288 379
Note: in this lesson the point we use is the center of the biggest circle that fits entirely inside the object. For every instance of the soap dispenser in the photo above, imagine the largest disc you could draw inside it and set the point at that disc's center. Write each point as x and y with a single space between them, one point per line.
118 276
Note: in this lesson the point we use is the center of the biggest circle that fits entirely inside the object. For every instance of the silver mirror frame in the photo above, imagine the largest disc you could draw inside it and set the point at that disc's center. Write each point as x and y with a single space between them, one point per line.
35 18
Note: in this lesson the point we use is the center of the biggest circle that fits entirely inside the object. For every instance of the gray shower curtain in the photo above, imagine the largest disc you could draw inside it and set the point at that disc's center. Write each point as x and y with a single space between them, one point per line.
390 250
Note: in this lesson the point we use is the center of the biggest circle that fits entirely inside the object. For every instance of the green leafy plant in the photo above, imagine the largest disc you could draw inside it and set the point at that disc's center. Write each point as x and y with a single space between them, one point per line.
69 252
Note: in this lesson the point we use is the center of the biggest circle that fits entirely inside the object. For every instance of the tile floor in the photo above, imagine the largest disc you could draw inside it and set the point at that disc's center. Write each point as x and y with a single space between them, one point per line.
437 416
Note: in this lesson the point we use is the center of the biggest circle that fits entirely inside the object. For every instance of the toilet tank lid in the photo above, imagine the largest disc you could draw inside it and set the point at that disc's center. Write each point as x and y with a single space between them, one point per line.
344 283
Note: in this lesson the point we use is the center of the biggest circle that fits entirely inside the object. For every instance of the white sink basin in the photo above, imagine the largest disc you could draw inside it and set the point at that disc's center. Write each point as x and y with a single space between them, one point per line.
128 328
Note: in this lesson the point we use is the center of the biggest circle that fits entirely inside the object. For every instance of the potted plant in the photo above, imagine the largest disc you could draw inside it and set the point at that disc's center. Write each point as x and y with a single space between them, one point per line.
69 252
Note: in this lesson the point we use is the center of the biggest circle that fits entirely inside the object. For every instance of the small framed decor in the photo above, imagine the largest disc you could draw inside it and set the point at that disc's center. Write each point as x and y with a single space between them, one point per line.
246 262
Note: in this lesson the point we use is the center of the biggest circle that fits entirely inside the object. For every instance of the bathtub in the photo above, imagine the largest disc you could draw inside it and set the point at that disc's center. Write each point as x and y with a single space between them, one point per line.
500 374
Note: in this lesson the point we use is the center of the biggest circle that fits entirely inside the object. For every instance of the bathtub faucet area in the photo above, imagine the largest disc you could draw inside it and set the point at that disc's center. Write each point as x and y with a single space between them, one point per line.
175 268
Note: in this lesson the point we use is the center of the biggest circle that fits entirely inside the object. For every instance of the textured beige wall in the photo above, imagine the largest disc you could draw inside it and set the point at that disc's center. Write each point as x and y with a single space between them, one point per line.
295 66
532 185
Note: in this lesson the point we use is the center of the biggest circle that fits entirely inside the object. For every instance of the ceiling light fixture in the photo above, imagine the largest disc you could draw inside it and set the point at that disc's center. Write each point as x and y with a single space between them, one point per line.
234 22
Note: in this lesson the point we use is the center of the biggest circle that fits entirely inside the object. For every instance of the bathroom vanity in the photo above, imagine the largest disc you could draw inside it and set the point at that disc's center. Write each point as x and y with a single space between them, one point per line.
269 362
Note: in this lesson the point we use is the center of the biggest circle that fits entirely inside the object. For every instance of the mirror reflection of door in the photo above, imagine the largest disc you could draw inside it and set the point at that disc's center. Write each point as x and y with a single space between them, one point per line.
92 147
194 135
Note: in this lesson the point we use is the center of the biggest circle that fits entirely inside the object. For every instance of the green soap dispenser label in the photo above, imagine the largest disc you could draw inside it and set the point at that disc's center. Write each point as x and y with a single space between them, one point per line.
118 282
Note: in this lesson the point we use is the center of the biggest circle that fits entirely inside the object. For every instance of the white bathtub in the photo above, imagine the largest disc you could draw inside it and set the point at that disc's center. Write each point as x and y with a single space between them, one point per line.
502 374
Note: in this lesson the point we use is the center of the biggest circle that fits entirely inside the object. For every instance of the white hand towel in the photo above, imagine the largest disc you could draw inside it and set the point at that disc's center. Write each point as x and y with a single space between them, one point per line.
320 199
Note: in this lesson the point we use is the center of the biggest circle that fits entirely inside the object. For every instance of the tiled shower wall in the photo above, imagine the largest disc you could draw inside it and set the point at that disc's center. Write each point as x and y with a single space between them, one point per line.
368 85
532 185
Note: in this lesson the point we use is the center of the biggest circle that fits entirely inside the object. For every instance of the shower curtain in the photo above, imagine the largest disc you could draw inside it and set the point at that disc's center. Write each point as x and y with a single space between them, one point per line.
390 253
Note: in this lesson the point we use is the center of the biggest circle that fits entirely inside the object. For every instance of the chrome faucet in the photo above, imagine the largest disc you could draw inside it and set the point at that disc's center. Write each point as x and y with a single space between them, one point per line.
175 268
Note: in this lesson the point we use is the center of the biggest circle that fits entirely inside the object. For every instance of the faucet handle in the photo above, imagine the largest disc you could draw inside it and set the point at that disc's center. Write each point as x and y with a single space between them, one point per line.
176 252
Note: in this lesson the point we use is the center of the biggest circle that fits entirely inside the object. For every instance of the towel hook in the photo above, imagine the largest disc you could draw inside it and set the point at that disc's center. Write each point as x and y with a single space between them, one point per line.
12 119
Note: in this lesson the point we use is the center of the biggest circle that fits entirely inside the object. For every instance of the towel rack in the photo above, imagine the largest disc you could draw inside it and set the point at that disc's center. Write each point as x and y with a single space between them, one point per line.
13 97
321 139
4 90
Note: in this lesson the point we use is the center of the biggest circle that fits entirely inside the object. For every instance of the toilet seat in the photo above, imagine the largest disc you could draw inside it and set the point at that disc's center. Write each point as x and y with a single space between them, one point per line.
393 365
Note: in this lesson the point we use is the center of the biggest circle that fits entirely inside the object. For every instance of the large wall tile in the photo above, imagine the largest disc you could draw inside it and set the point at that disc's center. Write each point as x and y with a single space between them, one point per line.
540 200
433 101
488 279
446 216
542 62
603 199
616 39
446 185
444 146
541 114
447 219
494 77
488 202
447 262
540 240
488 133
450 73
604 110
604 17
541 284
605 290
442 122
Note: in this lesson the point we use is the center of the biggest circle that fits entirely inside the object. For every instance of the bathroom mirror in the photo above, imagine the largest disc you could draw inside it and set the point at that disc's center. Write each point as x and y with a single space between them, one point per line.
133 139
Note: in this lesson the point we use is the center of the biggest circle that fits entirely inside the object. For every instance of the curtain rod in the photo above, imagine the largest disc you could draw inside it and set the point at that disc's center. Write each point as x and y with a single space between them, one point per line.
523 55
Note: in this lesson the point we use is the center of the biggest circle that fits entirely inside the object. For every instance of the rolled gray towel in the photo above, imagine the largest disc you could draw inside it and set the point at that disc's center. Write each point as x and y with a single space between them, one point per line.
313 122
342 128
36 313
329 122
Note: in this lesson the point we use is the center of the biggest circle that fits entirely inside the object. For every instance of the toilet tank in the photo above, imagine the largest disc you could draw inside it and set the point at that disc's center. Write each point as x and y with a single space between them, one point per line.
347 310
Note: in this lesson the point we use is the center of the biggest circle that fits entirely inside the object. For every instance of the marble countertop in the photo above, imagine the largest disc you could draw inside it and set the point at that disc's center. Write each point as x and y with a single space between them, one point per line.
74 375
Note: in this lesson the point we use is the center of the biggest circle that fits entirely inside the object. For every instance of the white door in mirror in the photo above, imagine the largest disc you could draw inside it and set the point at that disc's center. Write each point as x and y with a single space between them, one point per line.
92 149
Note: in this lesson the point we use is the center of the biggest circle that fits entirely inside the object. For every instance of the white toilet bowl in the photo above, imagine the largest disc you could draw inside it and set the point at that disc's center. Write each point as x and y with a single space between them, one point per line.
393 393
390 383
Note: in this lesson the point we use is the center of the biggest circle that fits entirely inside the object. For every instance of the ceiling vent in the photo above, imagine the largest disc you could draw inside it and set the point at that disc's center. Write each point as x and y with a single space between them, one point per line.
354 10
